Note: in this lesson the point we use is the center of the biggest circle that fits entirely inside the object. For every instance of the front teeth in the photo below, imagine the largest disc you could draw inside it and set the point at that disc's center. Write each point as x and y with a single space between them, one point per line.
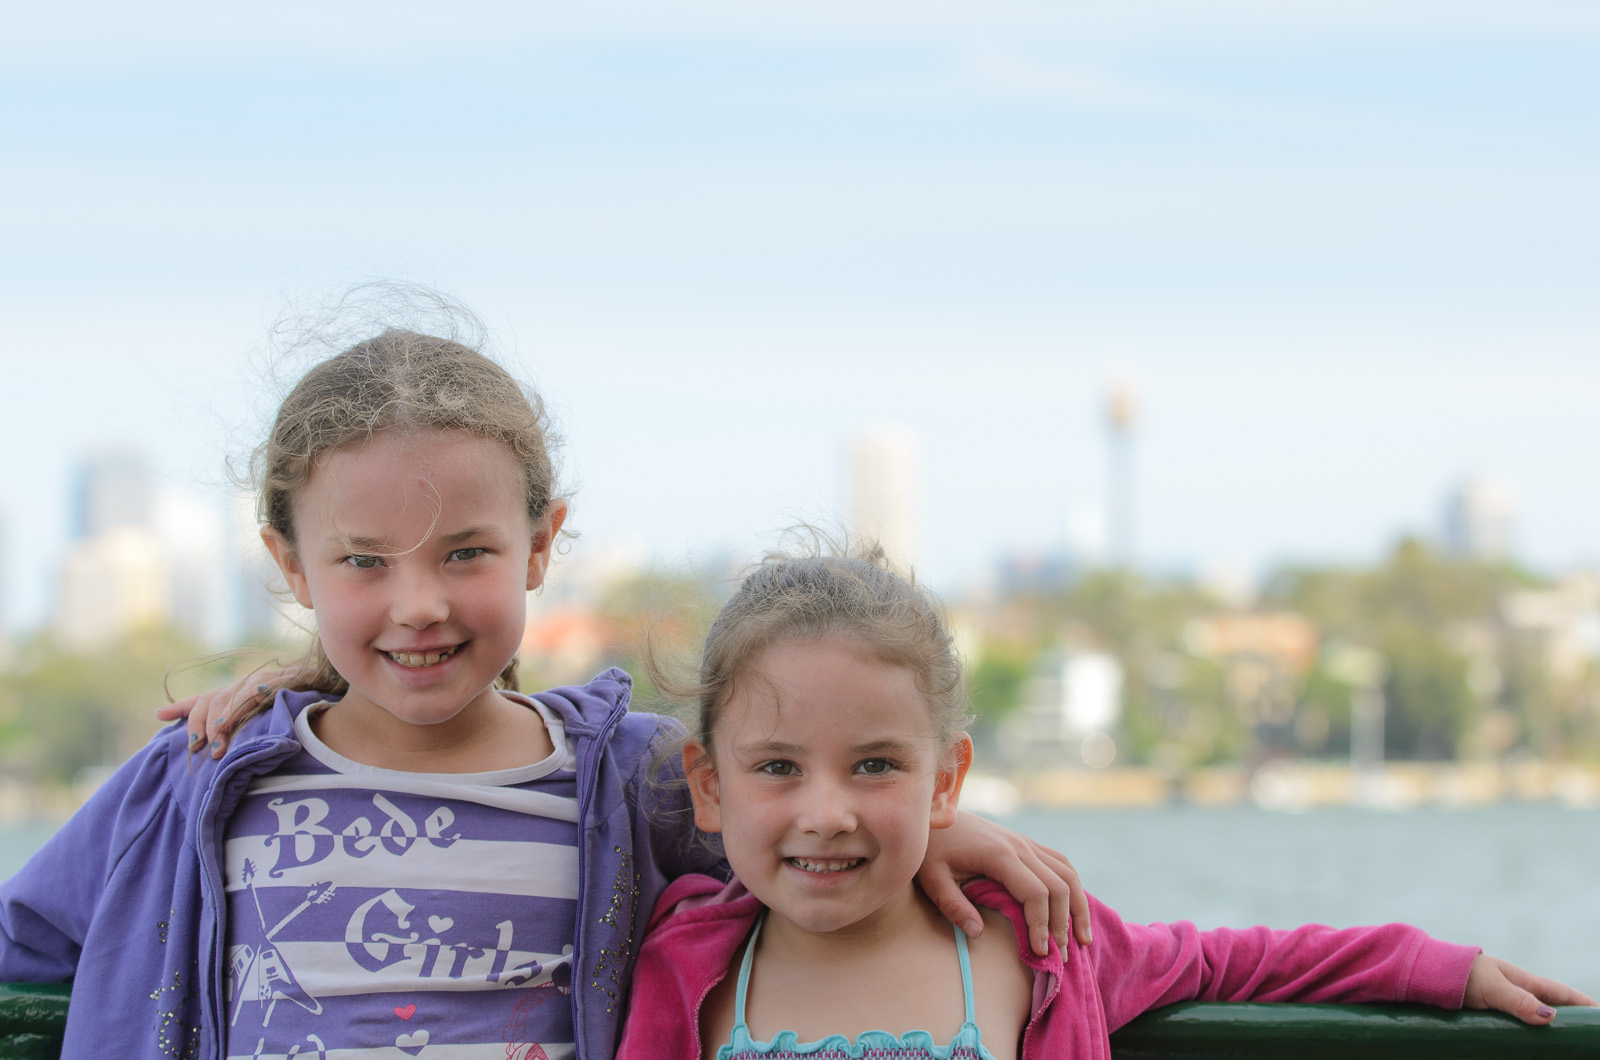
419 659
825 865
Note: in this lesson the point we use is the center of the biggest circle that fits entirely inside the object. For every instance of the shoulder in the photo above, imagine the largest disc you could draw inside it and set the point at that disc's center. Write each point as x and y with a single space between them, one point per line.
1004 945
698 925
1003 984
601 708
694 901
1005 912
587 706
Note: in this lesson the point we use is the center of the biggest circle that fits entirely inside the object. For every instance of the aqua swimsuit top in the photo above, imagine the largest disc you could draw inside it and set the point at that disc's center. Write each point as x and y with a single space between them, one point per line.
872 1045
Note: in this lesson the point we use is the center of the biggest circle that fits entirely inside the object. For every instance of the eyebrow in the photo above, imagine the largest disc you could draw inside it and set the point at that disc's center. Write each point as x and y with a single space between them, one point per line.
773 747
468 534
378 544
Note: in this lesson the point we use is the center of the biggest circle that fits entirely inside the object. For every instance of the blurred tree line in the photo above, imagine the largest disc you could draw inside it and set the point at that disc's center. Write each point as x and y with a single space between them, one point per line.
1458 675
64 712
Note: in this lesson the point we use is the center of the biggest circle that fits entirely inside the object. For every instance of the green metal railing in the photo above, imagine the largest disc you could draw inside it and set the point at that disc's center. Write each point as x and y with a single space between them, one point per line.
1209 1031
32 1017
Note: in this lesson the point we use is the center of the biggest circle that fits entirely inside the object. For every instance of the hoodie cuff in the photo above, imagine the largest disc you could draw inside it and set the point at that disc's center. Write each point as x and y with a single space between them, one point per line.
1439 976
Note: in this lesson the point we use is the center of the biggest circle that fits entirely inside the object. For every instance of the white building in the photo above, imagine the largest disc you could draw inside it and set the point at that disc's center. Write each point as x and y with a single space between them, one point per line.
885 494
1478 517
142 555
194 542
110 584
1069 711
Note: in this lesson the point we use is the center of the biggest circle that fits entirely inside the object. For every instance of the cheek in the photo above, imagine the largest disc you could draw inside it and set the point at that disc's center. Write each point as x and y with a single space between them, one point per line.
332 601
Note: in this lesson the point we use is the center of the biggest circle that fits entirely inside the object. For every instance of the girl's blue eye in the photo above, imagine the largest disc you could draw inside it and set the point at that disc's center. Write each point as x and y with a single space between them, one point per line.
461 554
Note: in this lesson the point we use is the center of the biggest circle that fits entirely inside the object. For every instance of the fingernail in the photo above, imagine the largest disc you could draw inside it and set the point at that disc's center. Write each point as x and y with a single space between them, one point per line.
1545 1012
194 740
972 927
262 690
216 745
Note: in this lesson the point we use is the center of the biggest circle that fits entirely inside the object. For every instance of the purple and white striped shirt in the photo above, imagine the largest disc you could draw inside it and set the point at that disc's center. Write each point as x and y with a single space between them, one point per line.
376 913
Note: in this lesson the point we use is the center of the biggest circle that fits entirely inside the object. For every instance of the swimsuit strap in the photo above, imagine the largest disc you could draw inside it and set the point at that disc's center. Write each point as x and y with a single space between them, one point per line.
966 975
744 972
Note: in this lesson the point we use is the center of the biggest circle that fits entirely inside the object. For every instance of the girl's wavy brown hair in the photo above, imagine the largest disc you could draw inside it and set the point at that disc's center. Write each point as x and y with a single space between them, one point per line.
831 590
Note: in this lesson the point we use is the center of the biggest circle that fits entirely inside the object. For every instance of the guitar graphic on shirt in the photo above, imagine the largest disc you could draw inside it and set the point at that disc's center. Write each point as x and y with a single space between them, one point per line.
261 974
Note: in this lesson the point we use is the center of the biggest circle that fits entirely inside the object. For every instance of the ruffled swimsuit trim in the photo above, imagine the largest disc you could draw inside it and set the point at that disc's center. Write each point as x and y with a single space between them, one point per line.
871 1045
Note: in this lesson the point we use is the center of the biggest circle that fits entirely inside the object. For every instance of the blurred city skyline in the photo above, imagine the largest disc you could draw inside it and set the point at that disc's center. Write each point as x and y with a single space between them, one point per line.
143 551
1340 255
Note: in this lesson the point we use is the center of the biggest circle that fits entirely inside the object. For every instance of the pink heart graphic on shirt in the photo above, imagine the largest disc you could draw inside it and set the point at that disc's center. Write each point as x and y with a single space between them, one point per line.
407 1012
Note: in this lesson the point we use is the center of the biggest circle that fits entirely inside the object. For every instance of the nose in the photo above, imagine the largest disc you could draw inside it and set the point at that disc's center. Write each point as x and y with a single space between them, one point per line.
420 598
827 810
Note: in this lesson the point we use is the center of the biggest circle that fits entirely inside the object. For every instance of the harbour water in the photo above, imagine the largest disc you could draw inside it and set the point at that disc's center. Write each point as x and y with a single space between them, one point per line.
1522 880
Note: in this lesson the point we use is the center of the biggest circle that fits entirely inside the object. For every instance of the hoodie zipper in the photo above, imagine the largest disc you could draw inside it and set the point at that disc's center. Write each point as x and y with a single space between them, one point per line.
589 777
212 886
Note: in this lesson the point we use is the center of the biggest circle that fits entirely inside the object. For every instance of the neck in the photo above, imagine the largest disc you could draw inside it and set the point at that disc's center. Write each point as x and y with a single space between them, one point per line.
909 911
490 733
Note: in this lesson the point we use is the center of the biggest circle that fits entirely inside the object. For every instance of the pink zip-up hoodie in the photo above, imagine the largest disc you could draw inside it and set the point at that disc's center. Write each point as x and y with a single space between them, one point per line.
700 923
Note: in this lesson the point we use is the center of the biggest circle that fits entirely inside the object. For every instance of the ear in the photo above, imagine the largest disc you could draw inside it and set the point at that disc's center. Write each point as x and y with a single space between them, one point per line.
704 790
293 571
947 785
544 542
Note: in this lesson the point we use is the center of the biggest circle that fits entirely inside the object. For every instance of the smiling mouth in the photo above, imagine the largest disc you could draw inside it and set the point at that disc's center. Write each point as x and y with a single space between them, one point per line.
825 864
416 660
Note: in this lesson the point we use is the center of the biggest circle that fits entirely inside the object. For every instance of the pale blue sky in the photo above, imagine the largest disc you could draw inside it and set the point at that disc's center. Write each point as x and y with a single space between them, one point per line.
1346 253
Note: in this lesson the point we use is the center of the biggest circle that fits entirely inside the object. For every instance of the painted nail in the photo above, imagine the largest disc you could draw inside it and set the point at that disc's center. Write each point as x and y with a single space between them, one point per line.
1545 1012
262 690
216 745
194 740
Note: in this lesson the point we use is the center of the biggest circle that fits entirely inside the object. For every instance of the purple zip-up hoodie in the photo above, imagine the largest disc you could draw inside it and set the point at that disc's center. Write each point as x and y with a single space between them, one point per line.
126 900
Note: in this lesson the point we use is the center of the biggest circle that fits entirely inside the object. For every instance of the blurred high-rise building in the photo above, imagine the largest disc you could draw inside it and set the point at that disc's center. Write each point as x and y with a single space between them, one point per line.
885 491
114 577
1120 498
111 489
192 541
141 555
1478 518
5 625
110 584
